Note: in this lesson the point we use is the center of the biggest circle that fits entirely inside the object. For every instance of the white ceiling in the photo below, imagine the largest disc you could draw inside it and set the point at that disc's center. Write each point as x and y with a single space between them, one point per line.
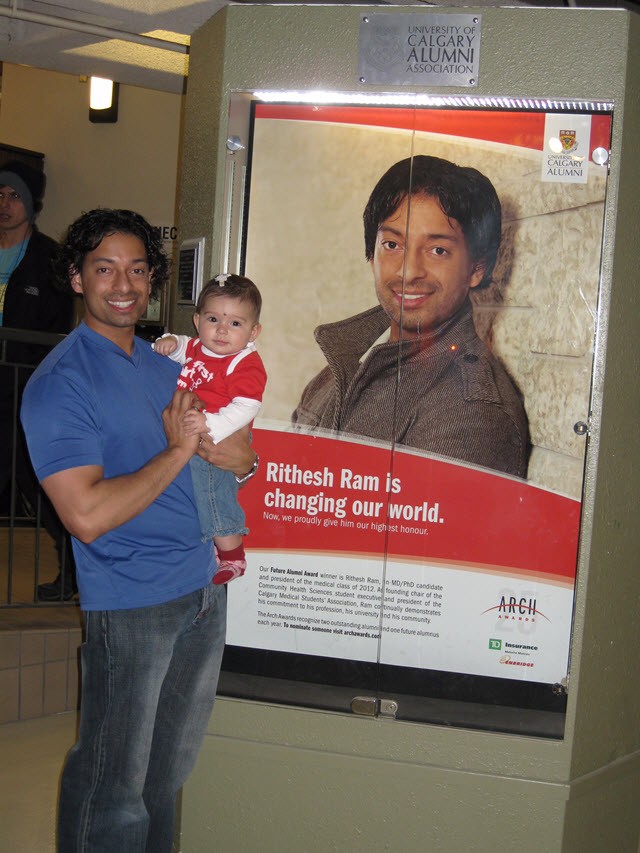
140 42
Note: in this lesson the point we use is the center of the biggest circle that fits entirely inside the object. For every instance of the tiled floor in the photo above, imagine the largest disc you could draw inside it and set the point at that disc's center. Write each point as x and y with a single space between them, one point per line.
32 756
39 672
38 645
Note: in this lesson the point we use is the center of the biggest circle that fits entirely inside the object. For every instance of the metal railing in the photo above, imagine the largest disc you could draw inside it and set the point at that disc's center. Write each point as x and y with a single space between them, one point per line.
34 547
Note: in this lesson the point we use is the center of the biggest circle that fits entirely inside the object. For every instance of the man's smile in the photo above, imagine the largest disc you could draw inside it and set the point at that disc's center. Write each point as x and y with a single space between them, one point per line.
413 299
422 267
121 304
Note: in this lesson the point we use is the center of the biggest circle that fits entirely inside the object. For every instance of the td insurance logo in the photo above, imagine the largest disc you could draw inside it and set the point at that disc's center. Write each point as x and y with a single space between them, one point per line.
514 654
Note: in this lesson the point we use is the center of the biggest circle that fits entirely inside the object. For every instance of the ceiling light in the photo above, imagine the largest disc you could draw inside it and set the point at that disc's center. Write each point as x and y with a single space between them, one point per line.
103 100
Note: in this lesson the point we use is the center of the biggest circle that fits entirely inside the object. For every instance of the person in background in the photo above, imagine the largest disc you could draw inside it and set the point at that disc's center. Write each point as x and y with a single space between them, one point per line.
29 300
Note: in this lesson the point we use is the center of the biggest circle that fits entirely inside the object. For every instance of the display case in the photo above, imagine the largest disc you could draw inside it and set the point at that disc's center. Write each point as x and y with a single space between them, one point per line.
518 712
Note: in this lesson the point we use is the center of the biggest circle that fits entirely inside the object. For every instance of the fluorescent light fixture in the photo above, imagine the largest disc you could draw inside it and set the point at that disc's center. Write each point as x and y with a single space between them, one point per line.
100 93
401 99
103 100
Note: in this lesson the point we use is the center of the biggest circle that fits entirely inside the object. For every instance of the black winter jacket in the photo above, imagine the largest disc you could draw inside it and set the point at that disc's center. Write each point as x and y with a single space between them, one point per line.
32 301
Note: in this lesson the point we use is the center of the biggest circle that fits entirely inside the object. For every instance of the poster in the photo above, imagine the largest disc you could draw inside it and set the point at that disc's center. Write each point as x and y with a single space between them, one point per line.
437 565
381 551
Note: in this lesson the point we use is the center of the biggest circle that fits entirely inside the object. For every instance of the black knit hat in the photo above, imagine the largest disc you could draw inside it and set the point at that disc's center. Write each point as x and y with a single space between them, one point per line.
27 182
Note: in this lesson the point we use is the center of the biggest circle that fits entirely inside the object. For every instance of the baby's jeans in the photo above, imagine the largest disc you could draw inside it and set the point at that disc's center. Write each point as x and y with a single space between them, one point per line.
216 494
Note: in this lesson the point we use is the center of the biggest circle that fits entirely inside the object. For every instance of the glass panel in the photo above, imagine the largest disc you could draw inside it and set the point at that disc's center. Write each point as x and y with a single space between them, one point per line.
414 525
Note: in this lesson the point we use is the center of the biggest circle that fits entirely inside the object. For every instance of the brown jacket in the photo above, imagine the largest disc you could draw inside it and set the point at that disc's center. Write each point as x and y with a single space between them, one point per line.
447 395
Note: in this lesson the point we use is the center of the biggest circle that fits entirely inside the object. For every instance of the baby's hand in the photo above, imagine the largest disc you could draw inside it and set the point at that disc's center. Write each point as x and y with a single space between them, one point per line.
194 422
167 345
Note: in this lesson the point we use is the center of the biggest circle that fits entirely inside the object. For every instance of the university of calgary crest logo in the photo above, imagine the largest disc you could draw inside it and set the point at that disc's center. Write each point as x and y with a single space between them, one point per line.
568 140
384 48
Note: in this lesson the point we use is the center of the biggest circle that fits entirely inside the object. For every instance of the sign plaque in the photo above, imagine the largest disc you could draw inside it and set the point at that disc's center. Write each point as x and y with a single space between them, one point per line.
419 50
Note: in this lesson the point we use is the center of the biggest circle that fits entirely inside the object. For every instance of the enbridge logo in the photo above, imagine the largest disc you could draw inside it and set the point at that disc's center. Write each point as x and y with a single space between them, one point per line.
507 660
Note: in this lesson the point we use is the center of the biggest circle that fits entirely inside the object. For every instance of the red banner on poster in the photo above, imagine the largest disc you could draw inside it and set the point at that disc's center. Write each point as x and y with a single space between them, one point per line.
522 129
321 494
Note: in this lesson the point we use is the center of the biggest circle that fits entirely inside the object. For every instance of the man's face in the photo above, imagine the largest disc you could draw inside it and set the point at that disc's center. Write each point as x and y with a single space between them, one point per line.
422 267
13 214
115 282
226 324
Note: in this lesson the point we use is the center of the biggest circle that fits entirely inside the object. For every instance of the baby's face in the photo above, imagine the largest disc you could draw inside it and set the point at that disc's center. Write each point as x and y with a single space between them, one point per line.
226 324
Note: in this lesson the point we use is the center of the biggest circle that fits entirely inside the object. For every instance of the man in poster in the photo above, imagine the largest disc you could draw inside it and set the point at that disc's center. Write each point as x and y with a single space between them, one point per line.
413 370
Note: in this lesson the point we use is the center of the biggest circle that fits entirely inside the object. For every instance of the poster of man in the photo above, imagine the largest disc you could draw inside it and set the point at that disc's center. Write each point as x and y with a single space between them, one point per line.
413 370
430 281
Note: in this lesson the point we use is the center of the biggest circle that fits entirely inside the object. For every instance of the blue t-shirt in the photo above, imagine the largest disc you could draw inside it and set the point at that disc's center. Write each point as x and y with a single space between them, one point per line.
89 403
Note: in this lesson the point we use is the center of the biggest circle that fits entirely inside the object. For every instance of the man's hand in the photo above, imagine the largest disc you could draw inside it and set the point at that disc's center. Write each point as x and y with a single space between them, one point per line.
166 345
173 419
194 422
233 454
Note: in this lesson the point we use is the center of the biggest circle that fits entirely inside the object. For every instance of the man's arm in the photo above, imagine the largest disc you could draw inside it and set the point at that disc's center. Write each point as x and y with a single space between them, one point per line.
233 454
90 505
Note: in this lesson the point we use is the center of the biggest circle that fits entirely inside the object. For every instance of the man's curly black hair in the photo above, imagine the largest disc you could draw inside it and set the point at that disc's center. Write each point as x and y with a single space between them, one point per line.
464 194
90 229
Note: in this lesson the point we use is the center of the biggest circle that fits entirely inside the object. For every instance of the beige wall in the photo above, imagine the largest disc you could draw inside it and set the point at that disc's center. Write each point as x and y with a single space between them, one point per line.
131 164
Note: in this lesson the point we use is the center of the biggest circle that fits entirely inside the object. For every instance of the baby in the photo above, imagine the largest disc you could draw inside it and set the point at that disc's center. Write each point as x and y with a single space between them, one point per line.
223 368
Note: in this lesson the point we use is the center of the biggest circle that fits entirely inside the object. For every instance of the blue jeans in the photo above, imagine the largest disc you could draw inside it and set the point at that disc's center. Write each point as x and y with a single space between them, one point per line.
216 493
149 678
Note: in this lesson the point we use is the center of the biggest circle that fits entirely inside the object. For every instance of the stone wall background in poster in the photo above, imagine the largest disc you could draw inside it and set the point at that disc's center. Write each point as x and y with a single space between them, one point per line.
310 183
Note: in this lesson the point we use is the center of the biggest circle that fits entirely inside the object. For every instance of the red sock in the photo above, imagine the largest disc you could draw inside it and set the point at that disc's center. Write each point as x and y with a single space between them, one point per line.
231 565
234 554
